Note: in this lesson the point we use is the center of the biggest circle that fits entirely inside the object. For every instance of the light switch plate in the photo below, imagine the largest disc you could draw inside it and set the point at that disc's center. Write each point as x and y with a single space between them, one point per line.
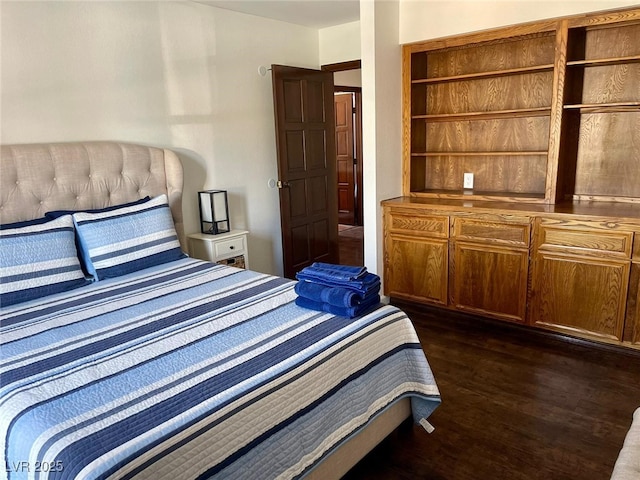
468 180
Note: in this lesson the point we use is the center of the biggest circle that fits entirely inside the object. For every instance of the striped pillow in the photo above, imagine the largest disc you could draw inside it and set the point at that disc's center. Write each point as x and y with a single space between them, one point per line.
127 239
38 260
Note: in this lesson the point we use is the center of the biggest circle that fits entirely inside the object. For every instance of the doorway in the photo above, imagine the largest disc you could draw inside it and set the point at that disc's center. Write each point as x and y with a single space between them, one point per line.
349 161
348 111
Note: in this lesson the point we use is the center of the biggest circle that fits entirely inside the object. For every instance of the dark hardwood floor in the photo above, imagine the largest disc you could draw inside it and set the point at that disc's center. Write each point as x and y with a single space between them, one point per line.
351 245
516 405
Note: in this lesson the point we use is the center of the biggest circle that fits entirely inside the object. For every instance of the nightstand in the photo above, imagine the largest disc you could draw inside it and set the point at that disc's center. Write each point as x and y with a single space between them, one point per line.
225 248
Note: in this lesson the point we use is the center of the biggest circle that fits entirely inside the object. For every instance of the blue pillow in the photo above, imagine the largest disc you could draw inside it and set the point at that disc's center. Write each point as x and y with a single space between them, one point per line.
24 223
128 239
38 260
59 213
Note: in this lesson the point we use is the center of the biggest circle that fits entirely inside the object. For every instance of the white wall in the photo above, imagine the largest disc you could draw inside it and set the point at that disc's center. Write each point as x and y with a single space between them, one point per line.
340 43
172 74
427 19
382 119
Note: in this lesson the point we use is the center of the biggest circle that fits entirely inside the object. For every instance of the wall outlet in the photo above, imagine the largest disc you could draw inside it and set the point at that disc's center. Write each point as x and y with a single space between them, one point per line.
468 180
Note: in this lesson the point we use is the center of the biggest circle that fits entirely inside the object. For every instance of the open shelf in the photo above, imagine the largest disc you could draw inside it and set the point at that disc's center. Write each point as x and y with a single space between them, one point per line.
515 113
481 195
604 61
605 107
480 154
502 175
479 75
603 198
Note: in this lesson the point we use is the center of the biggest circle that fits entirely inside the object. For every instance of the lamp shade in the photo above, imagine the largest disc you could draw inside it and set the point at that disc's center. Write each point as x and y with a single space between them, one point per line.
214 211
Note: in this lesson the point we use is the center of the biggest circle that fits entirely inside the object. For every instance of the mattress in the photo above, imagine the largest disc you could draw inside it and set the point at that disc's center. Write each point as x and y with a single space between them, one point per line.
195 370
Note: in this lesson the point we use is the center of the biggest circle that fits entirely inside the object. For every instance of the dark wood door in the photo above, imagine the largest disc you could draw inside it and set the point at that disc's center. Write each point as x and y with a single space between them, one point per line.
305 139
345 157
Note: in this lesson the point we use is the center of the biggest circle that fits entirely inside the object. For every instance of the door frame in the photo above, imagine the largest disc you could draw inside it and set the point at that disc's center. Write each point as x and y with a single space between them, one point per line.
357 128
357 132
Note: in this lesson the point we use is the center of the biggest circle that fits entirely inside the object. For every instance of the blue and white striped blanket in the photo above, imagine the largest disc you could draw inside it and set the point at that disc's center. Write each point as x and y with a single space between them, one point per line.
194 370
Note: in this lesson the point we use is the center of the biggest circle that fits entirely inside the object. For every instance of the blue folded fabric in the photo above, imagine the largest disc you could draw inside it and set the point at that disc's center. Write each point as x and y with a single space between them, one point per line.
329 271
369 304
338 296
365 284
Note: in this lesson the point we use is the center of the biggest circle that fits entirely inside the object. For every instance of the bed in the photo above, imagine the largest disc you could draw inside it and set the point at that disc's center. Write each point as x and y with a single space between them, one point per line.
174 367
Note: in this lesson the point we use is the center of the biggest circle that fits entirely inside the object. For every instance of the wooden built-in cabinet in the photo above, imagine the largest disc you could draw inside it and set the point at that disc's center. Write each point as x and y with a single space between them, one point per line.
417 256
572 268
580 277
546 116
490 258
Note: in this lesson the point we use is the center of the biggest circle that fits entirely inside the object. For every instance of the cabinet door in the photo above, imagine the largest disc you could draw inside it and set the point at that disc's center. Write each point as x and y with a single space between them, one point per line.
632 321
416 269
635 332
580 294
490 280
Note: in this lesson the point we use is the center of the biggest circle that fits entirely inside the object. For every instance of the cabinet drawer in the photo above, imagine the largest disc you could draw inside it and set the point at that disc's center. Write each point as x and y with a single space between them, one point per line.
233 246
411 223
514 234
586 242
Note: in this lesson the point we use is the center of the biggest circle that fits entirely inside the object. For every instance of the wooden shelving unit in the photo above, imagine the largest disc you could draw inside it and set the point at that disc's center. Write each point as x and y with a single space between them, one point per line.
530 115
482 108
546 116
601 130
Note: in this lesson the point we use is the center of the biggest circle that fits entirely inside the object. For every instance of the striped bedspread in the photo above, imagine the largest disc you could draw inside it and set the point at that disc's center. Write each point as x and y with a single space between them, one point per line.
194 370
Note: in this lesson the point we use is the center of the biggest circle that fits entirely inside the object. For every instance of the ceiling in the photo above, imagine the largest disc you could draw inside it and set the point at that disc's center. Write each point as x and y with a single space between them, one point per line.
310 13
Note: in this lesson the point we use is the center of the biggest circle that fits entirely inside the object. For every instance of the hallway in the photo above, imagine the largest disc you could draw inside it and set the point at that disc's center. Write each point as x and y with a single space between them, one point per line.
351 245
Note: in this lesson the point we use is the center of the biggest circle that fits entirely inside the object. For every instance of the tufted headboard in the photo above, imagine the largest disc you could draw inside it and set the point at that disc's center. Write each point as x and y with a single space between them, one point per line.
37 178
